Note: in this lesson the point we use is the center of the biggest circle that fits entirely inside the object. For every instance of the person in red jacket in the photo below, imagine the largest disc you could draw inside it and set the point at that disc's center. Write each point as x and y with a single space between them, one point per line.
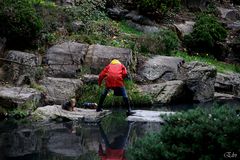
114 75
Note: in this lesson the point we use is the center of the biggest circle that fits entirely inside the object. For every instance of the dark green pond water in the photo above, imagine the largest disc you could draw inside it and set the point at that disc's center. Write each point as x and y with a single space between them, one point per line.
26 140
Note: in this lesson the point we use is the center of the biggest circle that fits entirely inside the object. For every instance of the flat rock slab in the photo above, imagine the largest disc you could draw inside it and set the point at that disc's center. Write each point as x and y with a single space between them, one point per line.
17 96
148 116
55 111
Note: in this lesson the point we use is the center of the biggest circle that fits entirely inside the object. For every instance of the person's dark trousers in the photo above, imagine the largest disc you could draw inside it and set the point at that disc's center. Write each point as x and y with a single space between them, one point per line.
118 91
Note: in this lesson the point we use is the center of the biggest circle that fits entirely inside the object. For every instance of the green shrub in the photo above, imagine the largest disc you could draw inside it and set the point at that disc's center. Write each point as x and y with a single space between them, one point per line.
158 6
91 93
20 23
203 134
206 33
163 42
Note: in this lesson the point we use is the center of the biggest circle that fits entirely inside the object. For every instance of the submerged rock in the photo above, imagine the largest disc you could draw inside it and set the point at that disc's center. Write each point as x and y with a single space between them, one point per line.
13 97
200 79
166 93
59 90
160 68
55 111
66 59
99 56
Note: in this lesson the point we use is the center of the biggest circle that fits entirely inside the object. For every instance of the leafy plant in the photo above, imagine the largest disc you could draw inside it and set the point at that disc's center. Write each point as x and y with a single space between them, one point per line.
208 59
206 33
163 42
158 6
91 93
195 134
20 23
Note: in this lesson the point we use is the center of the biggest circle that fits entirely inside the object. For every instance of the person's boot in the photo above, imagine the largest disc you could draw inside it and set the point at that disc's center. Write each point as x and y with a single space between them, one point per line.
127 104
99 107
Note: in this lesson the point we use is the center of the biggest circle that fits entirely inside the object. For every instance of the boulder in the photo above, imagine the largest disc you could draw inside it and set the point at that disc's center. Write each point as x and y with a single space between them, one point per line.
228 83
196 5
160 68
139 19
59 90
21 66
13 97
117 13
55 111
77 26
143 28
99 56
165 93
200 79
229 14
66 59
90 79
184 28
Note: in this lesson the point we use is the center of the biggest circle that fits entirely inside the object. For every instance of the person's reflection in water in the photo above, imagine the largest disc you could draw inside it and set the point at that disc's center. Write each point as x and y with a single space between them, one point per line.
116 149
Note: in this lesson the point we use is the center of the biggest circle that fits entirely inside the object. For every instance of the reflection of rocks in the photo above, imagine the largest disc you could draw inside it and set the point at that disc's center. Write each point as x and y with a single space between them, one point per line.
67 144
23 68
160 68
196 5
65 60
59 90
21 142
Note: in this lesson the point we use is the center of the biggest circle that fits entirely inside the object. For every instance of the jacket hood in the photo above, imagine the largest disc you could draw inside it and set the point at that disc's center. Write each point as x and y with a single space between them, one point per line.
115 61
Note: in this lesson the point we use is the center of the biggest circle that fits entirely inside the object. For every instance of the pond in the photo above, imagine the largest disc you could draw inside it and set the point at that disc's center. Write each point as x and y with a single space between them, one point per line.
26 140
69 140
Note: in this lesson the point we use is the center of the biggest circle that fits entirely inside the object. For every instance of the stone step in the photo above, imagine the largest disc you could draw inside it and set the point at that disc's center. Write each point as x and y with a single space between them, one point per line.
148 116
52 112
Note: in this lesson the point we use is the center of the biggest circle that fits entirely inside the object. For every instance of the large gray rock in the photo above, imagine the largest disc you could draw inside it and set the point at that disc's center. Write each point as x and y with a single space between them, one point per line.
59 90
200 79
165 93
196 5
90 79
160 68
21 66
54 111
228 83
184 28
144 28
13 97
230 14
99 56
66 59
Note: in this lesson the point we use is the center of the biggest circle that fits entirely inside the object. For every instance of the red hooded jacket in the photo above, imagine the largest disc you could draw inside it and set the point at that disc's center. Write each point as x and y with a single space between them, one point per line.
114 73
